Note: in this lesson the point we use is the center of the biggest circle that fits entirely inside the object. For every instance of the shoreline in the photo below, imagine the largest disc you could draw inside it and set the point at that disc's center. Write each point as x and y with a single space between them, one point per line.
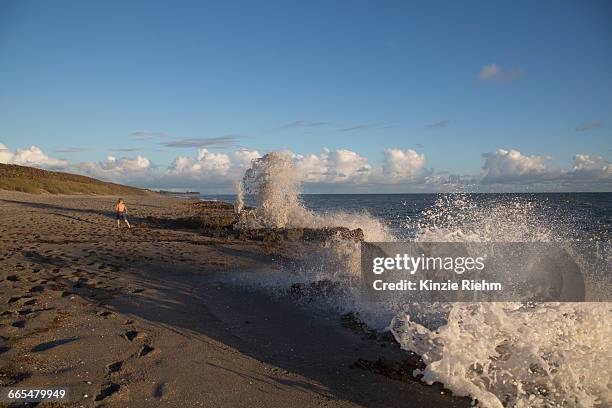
150 317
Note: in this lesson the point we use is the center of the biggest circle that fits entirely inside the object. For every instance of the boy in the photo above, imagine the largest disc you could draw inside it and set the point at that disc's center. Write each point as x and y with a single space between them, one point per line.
121 211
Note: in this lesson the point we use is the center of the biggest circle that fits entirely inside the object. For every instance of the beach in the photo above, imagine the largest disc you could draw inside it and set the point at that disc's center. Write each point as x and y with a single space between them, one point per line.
150 316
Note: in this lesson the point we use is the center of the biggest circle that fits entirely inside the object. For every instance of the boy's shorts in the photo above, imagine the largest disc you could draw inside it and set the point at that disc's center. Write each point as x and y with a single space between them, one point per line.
121 216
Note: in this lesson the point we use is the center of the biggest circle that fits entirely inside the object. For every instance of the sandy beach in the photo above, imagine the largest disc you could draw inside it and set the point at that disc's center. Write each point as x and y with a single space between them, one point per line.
150 317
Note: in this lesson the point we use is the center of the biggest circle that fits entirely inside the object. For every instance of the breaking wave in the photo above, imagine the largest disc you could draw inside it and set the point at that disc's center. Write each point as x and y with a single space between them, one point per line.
275 185
502 354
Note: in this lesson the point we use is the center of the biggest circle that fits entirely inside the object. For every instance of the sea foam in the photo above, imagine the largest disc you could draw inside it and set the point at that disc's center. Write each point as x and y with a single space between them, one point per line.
502 354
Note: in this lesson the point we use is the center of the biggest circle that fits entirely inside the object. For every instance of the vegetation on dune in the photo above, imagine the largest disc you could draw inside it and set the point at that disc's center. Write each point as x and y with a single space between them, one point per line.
36 181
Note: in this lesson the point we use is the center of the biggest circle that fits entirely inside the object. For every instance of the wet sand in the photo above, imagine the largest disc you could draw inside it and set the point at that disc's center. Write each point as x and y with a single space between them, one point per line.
149 317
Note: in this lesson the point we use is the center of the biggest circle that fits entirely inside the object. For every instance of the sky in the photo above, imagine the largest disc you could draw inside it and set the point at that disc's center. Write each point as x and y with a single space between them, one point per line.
364 96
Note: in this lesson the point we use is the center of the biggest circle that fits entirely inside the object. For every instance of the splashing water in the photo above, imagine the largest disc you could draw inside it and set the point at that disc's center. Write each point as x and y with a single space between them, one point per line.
502 354
239 204
507 354
275 184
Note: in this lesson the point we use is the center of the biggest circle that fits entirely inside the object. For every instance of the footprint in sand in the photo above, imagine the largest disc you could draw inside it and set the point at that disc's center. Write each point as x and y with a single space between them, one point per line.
114 367
3 349
146 349
159 391
20 324
107 391
130 335
24 312
37 289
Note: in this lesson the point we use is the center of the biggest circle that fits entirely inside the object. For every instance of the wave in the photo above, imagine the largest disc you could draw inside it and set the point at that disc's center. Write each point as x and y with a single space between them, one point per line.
502 354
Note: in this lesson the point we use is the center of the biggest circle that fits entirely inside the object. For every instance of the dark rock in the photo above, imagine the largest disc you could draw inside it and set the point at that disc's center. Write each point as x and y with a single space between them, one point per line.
317 235
395 370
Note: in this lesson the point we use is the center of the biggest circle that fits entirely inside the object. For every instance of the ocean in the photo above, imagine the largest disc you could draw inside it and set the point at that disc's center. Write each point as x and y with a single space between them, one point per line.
586 216
518 354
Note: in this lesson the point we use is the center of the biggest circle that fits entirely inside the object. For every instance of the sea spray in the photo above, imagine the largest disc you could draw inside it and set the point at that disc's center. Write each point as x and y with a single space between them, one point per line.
273 182
509 354
275 185
502 354
239 204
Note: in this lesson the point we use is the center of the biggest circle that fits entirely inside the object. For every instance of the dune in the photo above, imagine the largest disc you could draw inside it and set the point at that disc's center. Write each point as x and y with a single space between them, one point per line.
36 181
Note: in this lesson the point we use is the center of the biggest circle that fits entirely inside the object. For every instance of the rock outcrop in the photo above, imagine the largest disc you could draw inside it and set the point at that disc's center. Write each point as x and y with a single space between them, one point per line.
218 219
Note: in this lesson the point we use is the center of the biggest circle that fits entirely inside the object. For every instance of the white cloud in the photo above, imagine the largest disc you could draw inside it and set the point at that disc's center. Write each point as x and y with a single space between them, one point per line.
489 72
32 156
333 166
205 165
403 165
5 154
338 170
511 166
494 72
124 169
244 157
591 167
137 163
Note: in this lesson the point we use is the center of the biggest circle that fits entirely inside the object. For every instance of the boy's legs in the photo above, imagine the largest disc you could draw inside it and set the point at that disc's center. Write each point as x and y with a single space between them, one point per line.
127 223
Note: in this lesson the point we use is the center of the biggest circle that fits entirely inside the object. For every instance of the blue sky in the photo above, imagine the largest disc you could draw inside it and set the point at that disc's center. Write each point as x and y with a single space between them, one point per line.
301 76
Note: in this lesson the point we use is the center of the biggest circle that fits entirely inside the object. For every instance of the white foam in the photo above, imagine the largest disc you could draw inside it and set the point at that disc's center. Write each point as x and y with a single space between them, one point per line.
507 354
503 354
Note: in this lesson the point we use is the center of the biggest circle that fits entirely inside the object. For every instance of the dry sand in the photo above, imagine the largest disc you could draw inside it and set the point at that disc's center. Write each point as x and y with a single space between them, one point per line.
145 318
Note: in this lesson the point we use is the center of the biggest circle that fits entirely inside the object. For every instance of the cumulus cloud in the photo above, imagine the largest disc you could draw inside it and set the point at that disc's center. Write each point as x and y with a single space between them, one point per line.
511 166
338 170
495 73
588 126
403 165
333 166
123 169
204 165
591 167
244 157
5 154
32 156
